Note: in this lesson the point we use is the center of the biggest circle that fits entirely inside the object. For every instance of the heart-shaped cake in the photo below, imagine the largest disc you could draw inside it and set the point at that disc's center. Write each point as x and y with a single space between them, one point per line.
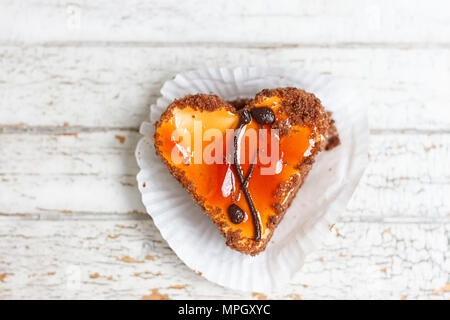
243 162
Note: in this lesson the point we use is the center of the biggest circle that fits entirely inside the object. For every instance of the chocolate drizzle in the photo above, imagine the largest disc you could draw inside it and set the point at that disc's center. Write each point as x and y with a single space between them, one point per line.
249 175
244 119
263 115
237 215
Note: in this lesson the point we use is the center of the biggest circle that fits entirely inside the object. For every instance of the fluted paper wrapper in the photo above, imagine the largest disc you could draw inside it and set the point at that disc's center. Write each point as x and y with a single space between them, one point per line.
306 224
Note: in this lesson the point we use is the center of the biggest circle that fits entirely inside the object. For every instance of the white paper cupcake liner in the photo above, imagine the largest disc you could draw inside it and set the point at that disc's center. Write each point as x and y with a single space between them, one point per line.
305 226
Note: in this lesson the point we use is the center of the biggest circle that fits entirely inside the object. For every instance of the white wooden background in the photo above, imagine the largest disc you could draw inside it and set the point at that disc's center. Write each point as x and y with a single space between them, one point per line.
77 78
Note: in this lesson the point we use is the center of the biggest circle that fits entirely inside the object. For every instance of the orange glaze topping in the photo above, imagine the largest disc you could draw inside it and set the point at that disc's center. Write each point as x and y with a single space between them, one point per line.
217 183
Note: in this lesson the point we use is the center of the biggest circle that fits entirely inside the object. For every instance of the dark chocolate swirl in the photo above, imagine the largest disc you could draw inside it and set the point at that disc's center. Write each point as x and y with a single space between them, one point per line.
244 119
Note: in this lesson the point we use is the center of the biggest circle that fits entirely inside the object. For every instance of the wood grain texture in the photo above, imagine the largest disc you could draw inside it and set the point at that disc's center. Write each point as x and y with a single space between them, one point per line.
323 23
130 260
113 87
77 79
93 166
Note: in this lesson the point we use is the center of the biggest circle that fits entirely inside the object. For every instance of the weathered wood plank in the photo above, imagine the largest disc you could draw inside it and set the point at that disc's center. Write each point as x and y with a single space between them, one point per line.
324 23
64 176
92 175
122 260
407 176
113 86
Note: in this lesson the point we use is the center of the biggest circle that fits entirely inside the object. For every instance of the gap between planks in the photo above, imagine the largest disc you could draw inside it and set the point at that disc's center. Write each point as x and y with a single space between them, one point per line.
232 45
69 215
25 129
